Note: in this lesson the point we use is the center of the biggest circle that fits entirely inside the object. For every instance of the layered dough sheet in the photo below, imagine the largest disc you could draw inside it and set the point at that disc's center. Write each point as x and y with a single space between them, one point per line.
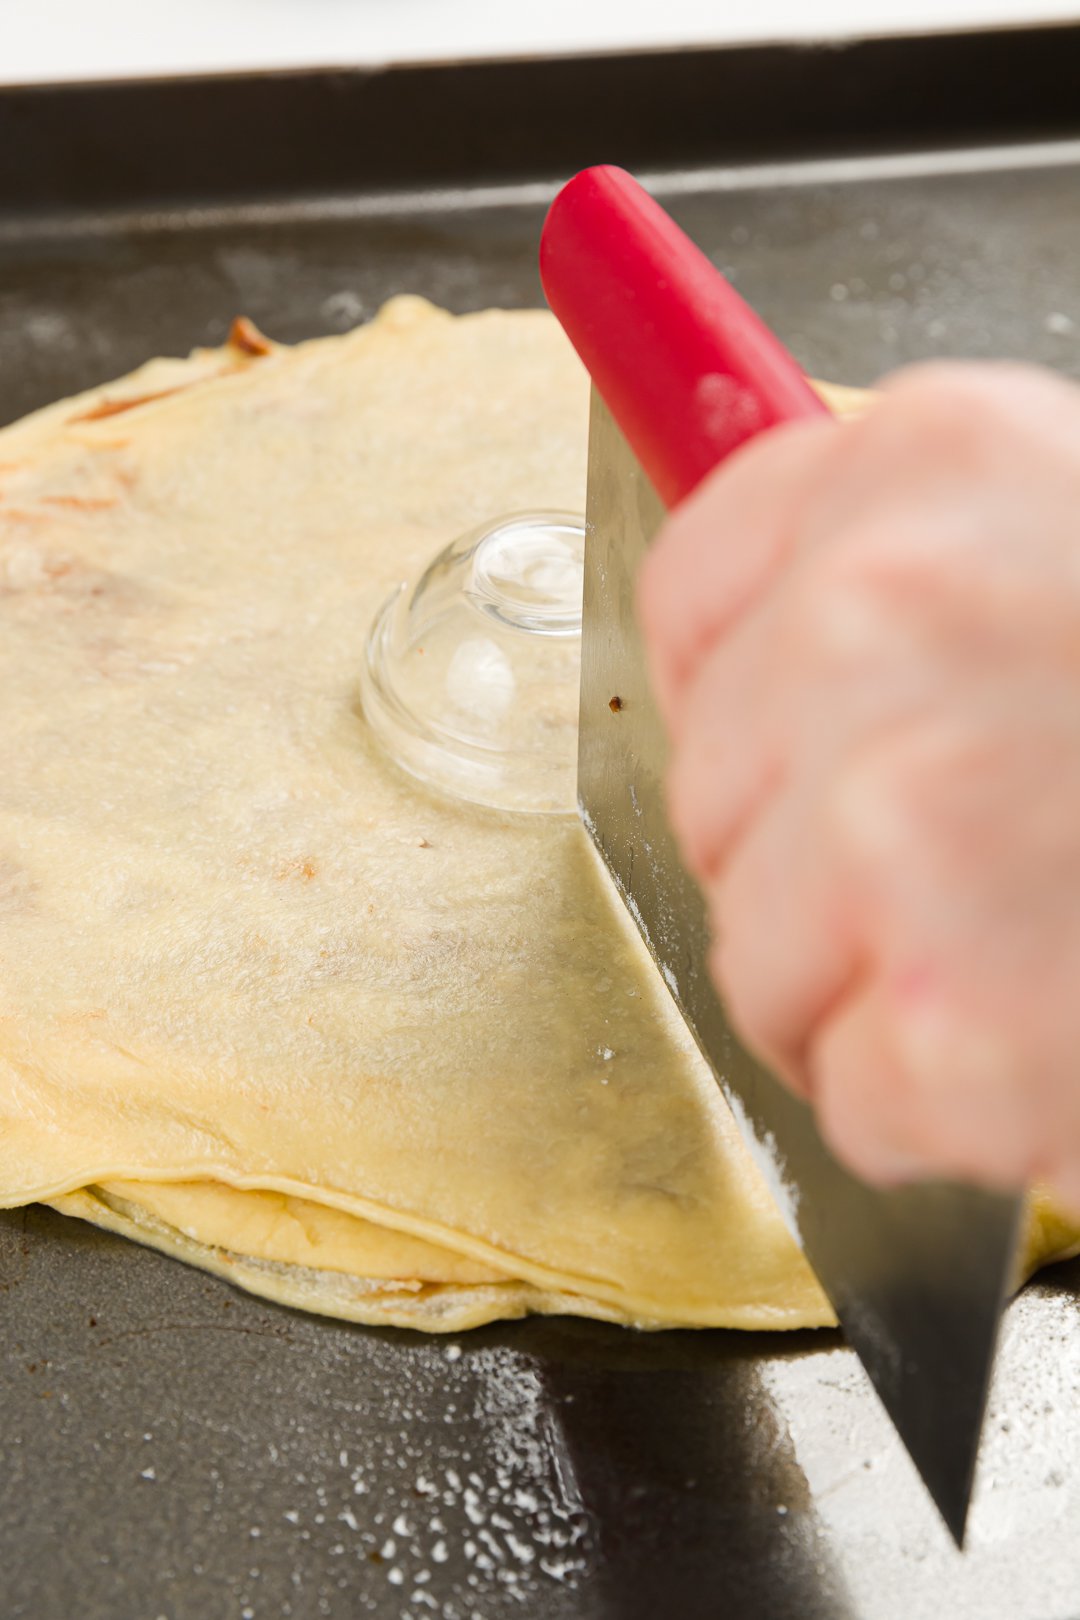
265 1004
319 1259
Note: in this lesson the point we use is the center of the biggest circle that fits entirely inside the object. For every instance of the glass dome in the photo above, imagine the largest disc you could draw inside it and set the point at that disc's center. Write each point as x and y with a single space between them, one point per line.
470 675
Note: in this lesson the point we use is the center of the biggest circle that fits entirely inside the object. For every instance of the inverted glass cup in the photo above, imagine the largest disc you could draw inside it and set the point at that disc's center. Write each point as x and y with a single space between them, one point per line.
470 676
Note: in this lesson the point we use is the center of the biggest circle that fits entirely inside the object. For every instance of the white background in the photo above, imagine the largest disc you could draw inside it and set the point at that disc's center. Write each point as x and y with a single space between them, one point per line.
69 39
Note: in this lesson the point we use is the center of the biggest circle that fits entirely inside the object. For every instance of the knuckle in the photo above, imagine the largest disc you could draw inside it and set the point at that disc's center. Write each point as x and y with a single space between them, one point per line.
875 805
917 797
833 613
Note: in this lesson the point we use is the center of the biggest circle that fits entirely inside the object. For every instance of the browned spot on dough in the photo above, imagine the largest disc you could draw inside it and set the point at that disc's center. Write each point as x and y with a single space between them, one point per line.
88 1015
73 588
305 869
245 336
113 407
80 503
20 514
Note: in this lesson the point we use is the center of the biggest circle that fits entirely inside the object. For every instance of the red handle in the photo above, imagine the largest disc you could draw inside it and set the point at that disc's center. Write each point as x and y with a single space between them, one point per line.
686 368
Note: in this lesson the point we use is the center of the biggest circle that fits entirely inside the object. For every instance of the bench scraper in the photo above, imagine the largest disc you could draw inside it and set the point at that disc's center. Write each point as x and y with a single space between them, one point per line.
683 373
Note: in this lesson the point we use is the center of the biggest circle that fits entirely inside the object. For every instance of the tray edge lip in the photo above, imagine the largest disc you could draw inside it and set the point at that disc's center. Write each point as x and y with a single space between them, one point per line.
358 71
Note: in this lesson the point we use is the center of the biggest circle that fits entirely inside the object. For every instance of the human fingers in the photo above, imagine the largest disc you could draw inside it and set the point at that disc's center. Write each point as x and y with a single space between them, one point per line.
812 663
861 1093
953 1011
899 1097
785 945
720 548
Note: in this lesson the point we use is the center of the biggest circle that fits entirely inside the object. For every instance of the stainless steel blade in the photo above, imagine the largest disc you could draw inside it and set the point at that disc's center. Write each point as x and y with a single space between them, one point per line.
918 1277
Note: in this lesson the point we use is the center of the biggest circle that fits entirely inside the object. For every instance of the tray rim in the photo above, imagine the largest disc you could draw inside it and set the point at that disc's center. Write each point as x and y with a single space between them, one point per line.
94 145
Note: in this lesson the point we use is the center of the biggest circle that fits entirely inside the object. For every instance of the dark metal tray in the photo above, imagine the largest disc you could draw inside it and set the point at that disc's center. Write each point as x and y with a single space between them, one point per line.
171 1448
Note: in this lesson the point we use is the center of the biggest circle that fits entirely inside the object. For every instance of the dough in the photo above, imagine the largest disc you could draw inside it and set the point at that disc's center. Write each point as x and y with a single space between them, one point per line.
264 1003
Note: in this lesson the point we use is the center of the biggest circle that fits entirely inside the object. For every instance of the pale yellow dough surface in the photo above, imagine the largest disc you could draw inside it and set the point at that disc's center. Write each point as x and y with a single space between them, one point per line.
265 1004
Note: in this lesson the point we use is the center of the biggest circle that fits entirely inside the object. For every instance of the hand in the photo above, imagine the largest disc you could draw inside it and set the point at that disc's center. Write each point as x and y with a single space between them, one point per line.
865 641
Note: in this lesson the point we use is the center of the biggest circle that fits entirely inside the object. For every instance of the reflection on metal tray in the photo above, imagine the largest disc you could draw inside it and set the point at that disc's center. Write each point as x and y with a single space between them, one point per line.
170 1447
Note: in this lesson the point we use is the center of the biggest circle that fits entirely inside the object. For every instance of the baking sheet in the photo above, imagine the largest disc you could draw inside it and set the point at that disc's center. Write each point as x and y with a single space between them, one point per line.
172 1448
